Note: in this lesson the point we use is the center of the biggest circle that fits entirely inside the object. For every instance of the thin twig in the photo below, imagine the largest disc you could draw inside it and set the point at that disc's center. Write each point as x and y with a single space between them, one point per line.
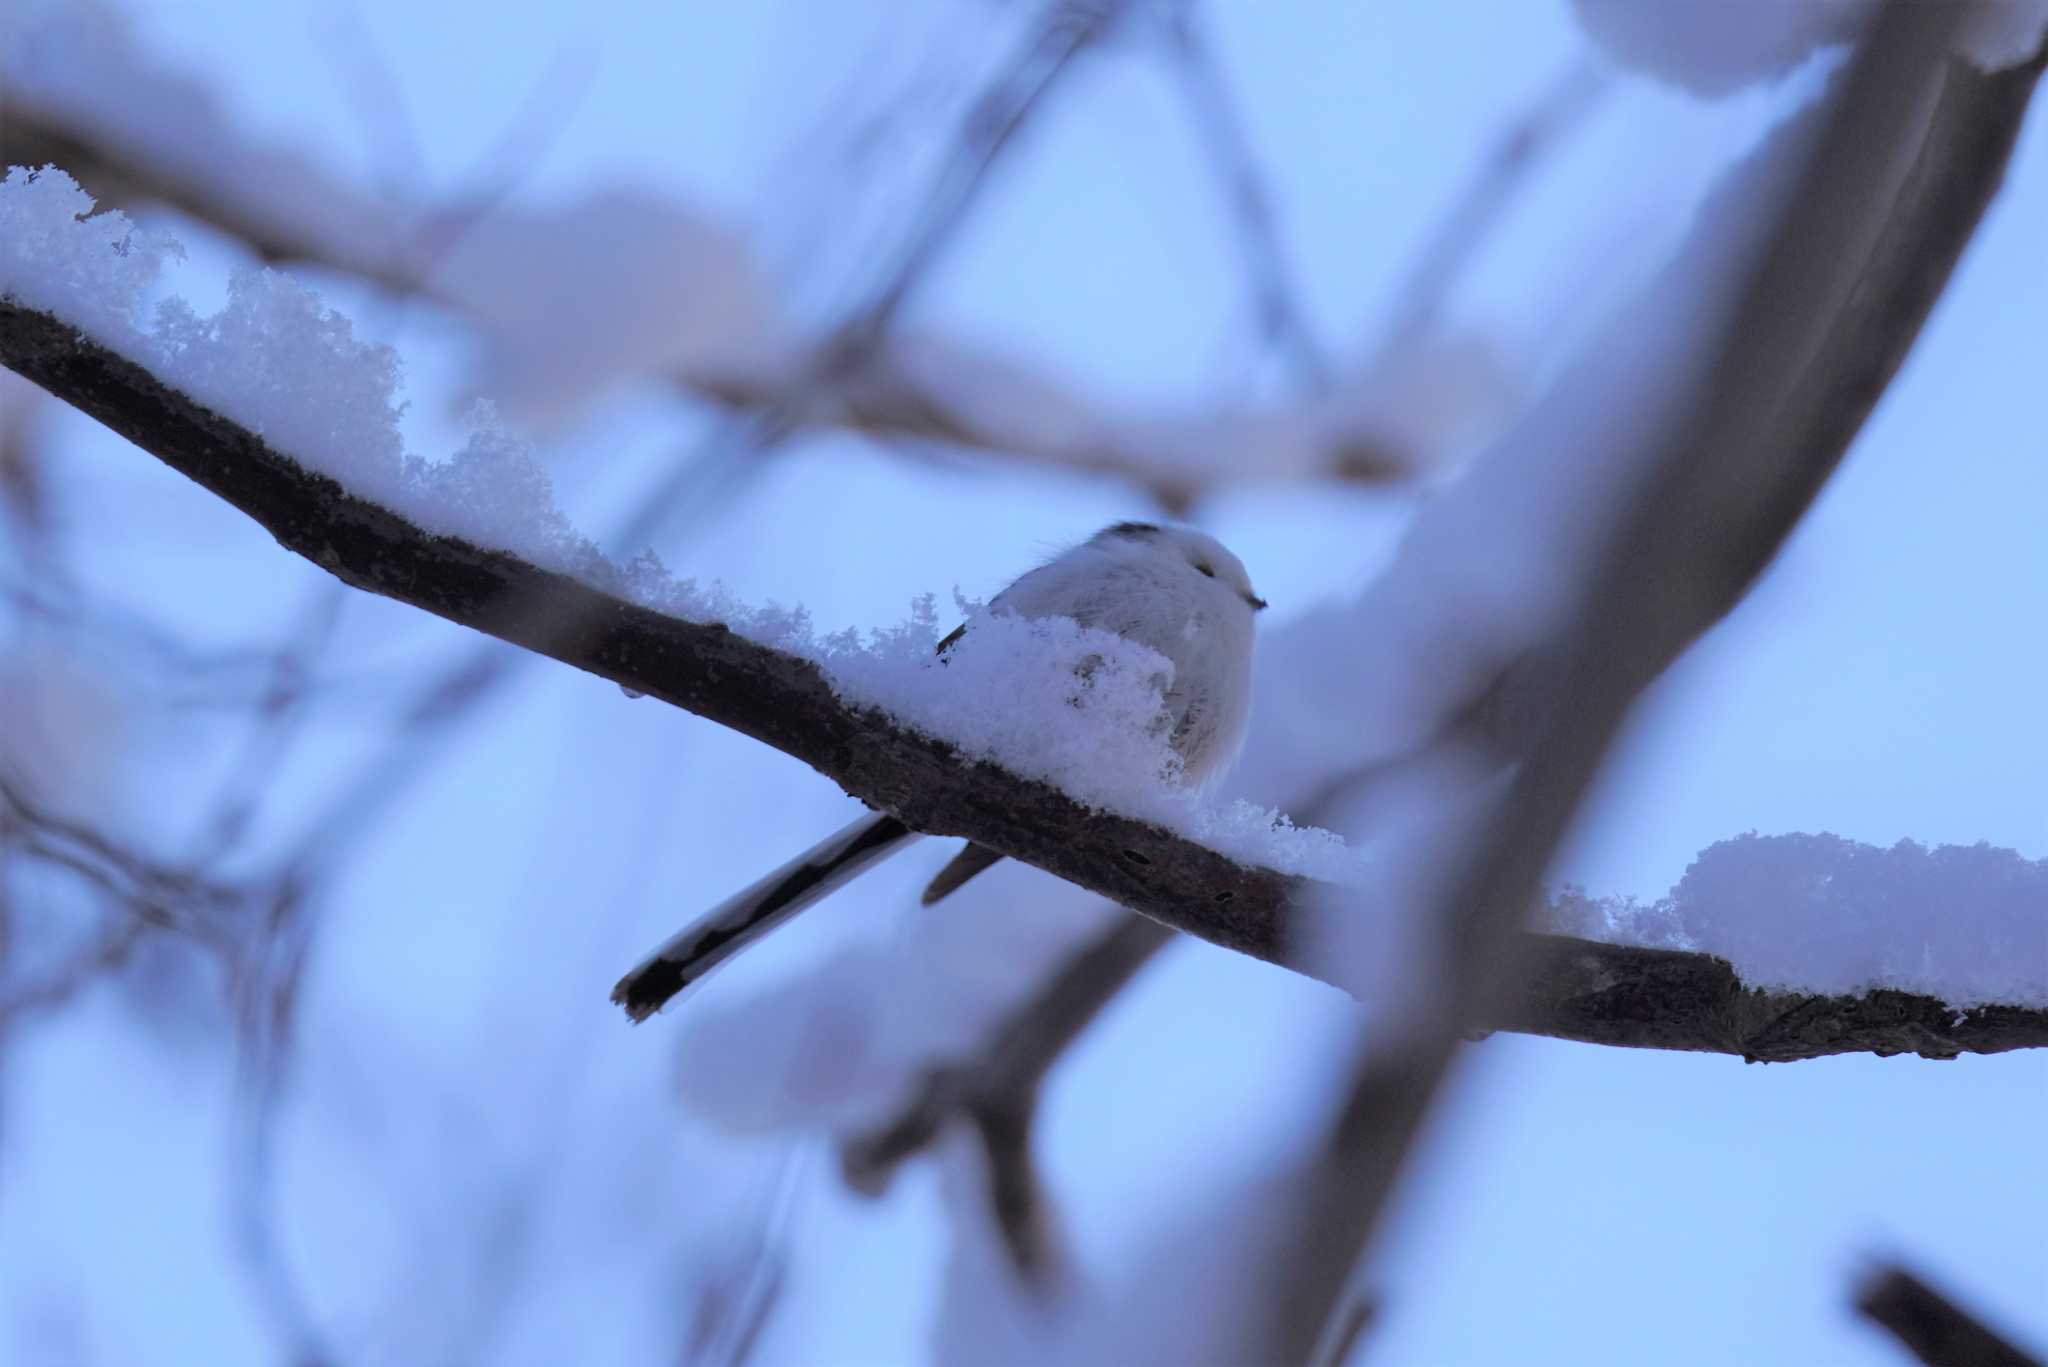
996 1088
108 951
1274 294
1002 111
267 993
1508 165
845 377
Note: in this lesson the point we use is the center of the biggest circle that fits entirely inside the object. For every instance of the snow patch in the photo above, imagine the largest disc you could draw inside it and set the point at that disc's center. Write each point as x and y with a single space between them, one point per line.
1967 925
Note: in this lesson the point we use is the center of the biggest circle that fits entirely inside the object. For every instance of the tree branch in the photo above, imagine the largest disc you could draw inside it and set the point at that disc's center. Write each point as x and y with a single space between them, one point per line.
1575 989
1600 993
1489 190
996 1090
944 390
1932 1327
1641 998
770 695
1724 486
1283 321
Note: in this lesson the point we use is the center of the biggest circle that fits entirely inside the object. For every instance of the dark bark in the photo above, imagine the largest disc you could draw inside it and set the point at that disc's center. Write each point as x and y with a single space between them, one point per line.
1668 999
1599 993
774 697
1931 1326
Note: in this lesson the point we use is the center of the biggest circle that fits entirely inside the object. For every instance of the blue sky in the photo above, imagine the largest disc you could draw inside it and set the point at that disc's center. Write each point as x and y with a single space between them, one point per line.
1882 682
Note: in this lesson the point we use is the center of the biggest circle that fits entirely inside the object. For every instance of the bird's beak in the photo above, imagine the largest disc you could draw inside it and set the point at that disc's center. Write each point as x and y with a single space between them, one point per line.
1258 603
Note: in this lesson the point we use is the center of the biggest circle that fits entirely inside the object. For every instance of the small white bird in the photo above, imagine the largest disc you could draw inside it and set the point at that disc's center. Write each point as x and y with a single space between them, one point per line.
1173 589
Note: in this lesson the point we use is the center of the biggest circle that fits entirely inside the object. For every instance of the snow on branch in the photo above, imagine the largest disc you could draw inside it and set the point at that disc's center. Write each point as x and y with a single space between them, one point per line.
779 698
1723 480
1765 892
1602 993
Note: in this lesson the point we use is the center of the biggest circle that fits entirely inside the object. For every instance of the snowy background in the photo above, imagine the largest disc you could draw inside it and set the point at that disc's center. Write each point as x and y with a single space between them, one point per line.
469 1157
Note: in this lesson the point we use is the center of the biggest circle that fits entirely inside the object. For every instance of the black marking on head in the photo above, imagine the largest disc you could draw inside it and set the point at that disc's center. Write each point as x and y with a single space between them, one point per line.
1130 531
1205 569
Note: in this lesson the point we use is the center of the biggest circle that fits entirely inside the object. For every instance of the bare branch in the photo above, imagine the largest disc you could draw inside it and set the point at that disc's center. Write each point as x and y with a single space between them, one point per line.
1574 989
996 1090
108 951
1480 206
267 991
162 897
1069 26
942 390
1932 1327
1281 318
124 175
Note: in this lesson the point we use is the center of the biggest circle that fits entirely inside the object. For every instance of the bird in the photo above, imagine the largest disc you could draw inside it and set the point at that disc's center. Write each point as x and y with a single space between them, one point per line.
1173 588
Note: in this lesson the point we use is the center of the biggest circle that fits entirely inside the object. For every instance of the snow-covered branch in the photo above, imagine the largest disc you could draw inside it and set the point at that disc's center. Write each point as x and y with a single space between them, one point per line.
1675 999
706 668
1715 483
1600 993
1576 989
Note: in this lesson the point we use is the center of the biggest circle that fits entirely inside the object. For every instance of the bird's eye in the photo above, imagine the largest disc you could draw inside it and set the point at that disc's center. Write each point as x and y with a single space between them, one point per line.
1208 570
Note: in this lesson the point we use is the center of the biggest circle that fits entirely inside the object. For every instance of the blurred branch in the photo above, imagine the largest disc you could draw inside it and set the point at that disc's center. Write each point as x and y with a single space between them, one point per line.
1957 165
1281 318
267 983
1491 188
107 952
140 650
996 1089
1932 1327
1574 989
1069 26
784 702
24 499
941 390
947 392
158 896
1725 487
259 933
279 715
119 175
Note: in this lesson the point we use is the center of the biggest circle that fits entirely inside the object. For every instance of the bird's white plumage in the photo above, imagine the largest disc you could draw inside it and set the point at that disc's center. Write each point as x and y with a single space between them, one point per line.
1180 592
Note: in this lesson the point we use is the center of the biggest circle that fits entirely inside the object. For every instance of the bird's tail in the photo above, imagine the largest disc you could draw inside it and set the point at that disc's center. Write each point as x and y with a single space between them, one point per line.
970 861
749 914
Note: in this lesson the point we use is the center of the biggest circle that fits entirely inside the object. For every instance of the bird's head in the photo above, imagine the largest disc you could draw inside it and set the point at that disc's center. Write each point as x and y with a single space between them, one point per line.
1202 553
